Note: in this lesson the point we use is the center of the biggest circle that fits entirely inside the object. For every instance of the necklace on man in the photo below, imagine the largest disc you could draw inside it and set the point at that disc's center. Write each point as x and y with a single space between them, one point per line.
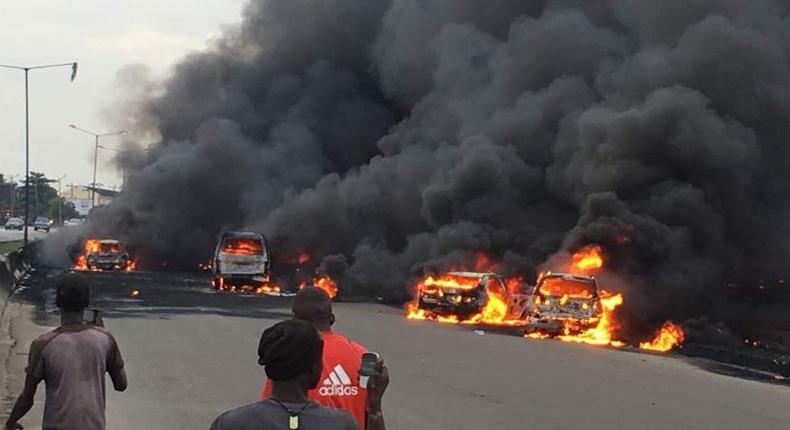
293 416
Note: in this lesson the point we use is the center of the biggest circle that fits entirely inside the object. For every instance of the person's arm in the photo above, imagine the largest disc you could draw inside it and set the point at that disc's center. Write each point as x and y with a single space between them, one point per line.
377 384
35 374
115 367
23 403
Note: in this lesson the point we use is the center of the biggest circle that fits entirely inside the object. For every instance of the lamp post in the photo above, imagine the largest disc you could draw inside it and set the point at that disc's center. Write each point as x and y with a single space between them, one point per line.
27 126
95 155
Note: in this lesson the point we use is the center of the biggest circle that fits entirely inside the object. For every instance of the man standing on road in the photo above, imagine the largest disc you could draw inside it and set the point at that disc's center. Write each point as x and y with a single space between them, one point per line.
342 358
72 361
290 352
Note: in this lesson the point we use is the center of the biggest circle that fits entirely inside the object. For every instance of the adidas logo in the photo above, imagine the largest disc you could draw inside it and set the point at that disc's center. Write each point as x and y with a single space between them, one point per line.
338 384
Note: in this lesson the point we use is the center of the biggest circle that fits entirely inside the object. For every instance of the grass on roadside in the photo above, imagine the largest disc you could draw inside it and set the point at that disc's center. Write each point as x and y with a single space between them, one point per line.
6 247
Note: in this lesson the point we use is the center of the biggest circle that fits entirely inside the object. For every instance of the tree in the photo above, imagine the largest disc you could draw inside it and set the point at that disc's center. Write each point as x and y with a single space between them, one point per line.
41 194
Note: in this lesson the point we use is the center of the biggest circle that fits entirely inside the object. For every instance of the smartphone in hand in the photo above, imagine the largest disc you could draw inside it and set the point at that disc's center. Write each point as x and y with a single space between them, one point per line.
367 368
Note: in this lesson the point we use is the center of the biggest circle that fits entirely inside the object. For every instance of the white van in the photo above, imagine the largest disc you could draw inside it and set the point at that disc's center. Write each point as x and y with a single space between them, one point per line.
241 261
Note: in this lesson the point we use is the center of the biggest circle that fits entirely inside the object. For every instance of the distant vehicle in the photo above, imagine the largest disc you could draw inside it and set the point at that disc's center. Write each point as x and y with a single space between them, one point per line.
72 222
41 223
14 224
106 254
241 259
564 302
465 294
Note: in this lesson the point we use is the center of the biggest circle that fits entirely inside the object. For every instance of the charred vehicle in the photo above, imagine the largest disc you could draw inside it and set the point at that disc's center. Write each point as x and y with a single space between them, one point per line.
105 254
241 261
564 303
465 294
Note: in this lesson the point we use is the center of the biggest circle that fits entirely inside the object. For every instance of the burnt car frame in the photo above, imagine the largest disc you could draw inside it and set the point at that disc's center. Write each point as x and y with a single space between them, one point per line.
241 260
109 255
461 301
564 303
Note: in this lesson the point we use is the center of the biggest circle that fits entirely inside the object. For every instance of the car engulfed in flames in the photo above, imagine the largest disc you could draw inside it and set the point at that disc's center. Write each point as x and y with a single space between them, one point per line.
567 305
564 303
103 255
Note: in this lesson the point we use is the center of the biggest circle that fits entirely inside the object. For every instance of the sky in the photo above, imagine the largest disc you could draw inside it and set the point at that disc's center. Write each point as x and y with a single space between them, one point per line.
102 37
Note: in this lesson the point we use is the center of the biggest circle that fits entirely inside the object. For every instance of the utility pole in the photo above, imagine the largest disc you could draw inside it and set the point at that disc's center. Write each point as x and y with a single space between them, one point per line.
27 128
95 155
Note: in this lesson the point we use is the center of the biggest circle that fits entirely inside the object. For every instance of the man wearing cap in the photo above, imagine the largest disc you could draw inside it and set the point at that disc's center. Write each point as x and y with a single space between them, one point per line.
72 361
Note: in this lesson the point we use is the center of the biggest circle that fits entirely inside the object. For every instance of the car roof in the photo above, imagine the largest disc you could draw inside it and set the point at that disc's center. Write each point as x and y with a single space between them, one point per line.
473 274
242 234
584 278
109 241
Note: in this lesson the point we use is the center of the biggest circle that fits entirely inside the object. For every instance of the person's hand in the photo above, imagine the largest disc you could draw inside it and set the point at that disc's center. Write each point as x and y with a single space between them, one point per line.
377 384
13 426
98 318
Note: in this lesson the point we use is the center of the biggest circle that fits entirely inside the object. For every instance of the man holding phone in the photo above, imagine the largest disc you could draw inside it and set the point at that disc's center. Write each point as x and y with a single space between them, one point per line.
72 361
352 379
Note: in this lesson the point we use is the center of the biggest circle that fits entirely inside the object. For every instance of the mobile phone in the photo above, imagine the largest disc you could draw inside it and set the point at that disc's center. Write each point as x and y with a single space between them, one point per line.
367 368
91 316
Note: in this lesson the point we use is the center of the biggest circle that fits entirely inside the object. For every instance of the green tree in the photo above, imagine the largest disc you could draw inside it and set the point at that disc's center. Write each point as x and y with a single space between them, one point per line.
41 195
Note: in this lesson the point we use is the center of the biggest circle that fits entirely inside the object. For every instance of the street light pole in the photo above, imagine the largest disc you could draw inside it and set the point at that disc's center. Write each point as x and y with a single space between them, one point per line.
95 155
95 163
27 127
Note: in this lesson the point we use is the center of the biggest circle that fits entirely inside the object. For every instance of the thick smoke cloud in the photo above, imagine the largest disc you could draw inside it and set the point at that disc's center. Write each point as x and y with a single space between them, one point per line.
392 138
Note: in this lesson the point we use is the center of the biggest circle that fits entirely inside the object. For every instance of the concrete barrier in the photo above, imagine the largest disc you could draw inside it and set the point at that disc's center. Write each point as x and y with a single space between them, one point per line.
14 267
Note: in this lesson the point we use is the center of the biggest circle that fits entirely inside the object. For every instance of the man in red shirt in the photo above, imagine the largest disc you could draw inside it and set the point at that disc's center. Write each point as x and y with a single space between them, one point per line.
339 383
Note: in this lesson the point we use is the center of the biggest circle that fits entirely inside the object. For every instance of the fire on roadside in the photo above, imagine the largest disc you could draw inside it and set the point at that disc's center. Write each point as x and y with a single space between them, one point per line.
494 312
325 283
219 284
667 337
587 261
93 246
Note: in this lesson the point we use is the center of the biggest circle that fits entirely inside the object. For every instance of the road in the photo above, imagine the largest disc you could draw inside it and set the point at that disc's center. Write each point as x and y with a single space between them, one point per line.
191 354
11 235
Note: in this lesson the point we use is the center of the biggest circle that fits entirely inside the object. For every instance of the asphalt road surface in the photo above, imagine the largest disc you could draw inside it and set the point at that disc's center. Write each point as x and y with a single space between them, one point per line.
11 235
191 354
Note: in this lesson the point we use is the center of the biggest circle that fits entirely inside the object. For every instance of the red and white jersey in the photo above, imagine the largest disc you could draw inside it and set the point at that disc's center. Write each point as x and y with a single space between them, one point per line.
339 384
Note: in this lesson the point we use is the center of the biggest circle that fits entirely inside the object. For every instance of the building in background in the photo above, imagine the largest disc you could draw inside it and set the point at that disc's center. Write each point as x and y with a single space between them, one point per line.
80 197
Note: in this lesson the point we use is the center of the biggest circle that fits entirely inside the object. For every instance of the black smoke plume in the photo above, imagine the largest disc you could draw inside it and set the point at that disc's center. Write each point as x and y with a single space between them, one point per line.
392 138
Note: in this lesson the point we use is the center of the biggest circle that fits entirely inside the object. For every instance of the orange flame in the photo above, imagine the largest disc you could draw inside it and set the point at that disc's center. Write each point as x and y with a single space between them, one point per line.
90 246
586 260
494 312
325 283
130 266
266 288
602 333
667 337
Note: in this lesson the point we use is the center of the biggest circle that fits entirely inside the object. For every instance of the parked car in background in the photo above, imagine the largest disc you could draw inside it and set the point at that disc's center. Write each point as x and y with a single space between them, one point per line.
41 223
14 224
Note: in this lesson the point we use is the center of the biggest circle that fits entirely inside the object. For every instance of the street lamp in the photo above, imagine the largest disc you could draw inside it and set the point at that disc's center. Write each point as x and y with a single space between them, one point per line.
95 155
27 126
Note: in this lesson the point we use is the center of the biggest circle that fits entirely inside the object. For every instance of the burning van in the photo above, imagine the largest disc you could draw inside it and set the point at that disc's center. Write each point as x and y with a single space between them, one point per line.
105 254
241 261
563 303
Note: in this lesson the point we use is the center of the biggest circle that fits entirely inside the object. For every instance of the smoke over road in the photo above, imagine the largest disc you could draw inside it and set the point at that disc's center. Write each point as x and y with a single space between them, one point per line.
389 138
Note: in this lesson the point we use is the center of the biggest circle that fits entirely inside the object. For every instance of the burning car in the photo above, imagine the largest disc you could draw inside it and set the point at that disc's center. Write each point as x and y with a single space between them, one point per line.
463 294
105 254
564 303
241 261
